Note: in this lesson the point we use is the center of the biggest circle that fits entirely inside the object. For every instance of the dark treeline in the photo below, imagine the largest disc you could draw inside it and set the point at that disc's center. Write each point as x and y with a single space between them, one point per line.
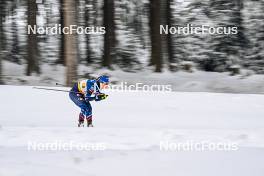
132 39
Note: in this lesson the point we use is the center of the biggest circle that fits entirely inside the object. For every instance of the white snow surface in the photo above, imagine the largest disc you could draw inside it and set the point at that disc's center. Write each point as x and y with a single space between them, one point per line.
131 125
197 81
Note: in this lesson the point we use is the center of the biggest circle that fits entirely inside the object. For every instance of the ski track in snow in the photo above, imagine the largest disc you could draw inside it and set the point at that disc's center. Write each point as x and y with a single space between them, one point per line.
131 125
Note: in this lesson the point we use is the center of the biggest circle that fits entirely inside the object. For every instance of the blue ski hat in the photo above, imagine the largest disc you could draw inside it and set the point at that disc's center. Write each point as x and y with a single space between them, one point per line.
103 79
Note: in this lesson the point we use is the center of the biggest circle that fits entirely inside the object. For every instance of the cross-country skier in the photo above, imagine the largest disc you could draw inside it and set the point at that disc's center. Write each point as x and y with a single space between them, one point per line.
85 91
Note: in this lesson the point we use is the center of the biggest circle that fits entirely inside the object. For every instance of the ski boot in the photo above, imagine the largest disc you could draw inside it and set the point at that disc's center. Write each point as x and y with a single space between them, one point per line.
81 120
89 121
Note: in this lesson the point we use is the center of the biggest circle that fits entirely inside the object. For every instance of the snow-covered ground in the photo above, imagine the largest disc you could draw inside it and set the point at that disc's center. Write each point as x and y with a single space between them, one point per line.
197 81
131 125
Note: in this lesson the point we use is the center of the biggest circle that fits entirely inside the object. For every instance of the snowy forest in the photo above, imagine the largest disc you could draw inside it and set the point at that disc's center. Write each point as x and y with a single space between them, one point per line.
134 95
132 41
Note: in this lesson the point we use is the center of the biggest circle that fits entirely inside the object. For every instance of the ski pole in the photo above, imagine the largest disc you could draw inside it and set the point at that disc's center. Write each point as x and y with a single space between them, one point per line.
59 84
59 90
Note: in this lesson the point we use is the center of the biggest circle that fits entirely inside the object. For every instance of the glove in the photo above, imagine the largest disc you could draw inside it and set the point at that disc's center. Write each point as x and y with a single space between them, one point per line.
101 97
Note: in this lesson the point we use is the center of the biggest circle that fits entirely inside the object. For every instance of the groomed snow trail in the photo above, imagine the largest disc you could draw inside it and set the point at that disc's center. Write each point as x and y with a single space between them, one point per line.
131 125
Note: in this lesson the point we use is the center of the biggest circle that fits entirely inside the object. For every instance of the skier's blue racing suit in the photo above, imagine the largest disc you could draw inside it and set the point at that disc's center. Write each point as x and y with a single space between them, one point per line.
82 93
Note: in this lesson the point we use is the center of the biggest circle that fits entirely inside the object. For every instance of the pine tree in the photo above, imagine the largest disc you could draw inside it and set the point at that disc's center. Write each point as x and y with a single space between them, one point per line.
70 43
61 59
228 49
179 18
109 37
169 37
32 55
87 16
155 37
254 15
2 4
128 34
167 47
199 43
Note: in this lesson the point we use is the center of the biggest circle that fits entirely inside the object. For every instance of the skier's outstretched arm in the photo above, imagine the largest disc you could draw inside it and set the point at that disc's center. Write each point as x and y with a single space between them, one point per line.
89 98
97 97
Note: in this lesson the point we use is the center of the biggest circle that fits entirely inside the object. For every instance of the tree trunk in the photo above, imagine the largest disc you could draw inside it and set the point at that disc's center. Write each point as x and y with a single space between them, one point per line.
70 43
155 21
164 37
15 50
109 37
32 57
166 48
61 59
1 40
169 36
87 36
